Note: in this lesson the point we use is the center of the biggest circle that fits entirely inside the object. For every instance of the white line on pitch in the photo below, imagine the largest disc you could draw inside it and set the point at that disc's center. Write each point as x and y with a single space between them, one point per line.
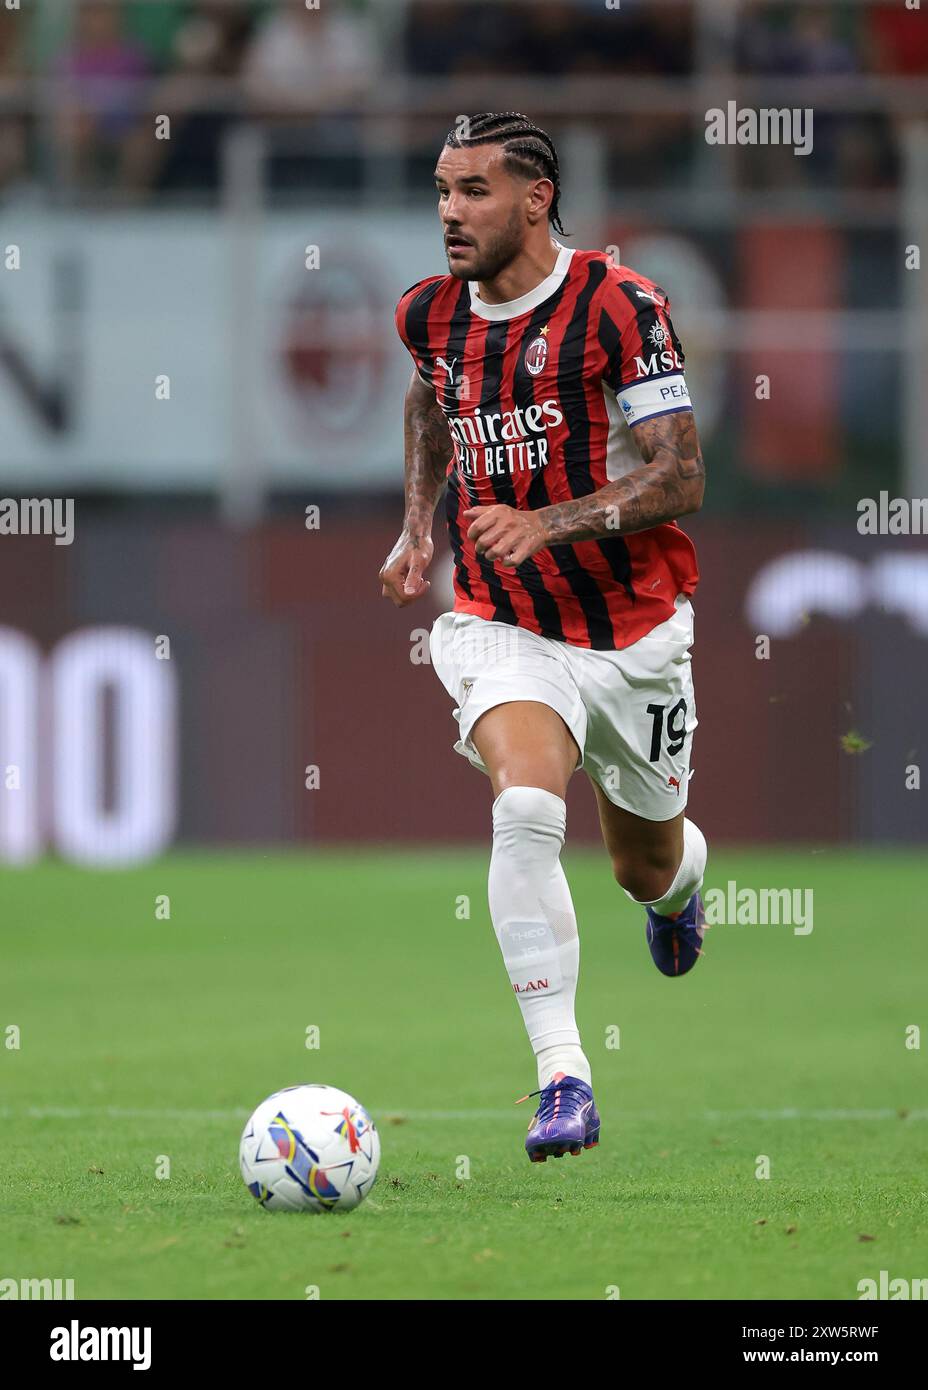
789 1113
385 1114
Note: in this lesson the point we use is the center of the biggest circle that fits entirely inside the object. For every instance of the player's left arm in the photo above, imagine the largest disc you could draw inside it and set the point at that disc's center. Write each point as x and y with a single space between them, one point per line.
669 485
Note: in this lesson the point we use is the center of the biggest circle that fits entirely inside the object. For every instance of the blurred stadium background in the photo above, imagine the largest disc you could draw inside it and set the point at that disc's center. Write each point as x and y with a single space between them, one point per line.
254 257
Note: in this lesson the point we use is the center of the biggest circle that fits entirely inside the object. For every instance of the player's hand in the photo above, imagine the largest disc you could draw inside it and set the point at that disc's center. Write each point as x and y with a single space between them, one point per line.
505 534
403 571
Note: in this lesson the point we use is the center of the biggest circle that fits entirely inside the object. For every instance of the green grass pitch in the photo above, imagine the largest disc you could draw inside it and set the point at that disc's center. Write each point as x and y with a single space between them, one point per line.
142 1038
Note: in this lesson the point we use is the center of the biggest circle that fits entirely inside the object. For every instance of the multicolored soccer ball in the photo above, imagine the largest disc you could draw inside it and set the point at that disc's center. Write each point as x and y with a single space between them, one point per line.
310 1148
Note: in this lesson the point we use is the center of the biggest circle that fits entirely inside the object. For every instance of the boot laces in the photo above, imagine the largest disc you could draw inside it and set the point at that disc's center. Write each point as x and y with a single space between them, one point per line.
561 1097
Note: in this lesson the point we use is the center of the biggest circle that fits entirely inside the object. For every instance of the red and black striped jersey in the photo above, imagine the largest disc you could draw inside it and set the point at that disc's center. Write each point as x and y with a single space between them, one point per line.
539 395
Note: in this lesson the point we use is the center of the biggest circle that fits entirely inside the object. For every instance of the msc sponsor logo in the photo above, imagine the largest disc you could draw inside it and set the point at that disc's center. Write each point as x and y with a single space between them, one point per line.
666 361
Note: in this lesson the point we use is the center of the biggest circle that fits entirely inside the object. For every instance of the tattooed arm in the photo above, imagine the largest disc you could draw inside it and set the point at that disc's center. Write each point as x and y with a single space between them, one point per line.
427 451
668 486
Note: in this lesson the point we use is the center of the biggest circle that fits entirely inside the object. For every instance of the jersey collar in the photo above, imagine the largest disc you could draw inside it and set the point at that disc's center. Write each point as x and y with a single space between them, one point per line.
512 307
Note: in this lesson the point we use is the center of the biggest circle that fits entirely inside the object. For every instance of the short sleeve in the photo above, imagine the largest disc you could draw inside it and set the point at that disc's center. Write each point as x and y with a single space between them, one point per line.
411 319
644 358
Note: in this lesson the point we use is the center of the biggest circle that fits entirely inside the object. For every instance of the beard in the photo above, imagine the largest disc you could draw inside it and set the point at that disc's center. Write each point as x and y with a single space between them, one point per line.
500 251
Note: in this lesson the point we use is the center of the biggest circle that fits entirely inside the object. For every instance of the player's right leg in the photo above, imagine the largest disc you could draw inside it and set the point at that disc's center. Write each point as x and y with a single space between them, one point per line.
530 755
522 721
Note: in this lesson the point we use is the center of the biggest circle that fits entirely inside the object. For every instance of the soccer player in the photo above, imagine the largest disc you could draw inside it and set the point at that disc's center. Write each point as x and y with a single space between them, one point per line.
535 368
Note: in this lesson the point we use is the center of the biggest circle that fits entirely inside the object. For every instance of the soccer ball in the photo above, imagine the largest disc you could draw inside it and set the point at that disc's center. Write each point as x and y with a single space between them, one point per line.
309 1148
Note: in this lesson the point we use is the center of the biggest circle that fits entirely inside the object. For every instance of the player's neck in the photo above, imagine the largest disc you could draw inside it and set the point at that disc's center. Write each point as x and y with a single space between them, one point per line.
521 276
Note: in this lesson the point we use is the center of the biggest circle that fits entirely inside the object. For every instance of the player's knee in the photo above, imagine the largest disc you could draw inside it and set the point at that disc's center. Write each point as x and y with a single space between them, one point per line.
646 877
526 815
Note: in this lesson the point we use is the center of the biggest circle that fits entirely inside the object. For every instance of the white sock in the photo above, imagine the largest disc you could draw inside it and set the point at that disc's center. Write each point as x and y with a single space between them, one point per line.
533 917
688 878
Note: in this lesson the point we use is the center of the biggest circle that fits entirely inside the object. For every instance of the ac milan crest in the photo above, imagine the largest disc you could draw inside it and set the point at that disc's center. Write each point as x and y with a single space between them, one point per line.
536 355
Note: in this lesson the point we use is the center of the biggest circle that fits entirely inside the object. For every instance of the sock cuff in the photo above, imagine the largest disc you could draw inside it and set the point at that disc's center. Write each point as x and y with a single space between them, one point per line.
532 805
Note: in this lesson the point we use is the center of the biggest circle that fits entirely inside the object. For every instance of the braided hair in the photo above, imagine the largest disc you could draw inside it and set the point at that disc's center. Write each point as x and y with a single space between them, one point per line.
529 151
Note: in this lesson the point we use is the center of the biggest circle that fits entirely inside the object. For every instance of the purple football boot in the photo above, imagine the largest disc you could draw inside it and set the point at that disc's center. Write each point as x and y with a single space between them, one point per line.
566 1120
676 941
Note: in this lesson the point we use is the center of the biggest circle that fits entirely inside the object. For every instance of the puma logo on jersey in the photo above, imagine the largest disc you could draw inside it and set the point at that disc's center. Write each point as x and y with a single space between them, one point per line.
440 362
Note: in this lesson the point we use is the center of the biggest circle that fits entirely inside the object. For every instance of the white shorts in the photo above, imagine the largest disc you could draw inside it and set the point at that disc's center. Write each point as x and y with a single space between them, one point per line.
632 713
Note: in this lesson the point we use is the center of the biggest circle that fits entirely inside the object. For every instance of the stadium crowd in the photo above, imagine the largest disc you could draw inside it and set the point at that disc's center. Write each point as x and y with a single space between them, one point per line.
107 65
